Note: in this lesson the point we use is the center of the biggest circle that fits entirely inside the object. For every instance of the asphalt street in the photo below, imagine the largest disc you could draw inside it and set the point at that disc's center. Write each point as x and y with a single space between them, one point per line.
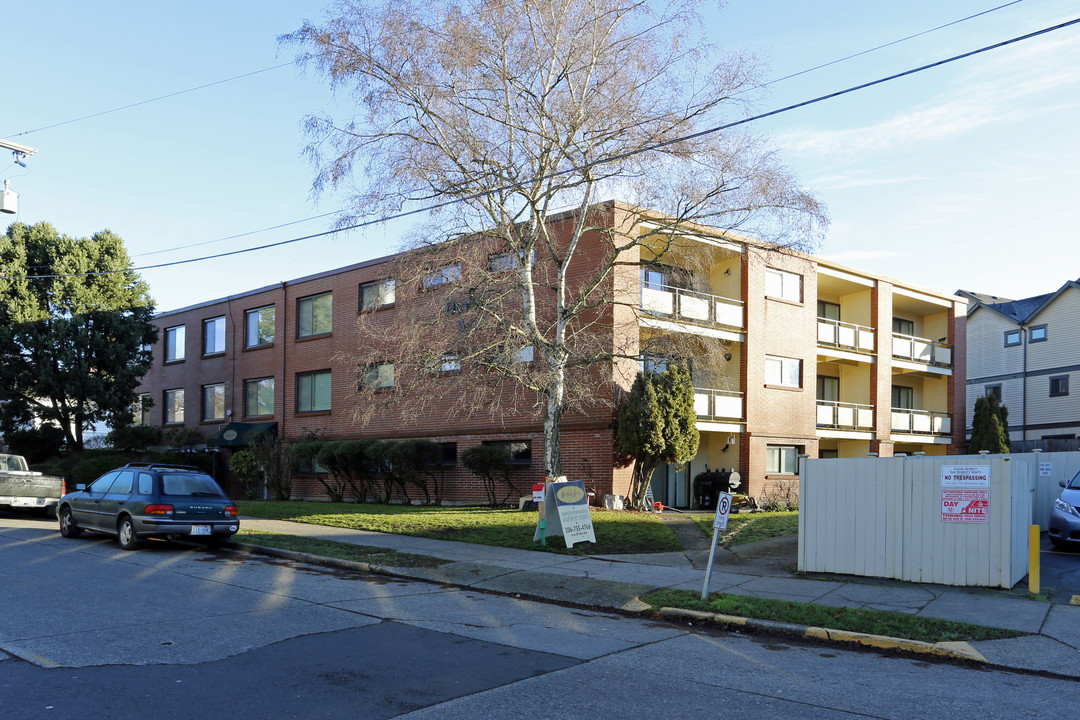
87 629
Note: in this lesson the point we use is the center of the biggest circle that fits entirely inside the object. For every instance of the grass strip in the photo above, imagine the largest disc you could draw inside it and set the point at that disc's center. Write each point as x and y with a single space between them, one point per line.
616 532
339 550
872 622
746 528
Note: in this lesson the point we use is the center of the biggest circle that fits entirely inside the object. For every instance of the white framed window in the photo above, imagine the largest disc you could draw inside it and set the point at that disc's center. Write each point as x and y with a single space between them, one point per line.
315 315
783 284
174 406
313 391
502 262
259 327
378 294
442 276
525 355
781 460
783 371
214 336
174 343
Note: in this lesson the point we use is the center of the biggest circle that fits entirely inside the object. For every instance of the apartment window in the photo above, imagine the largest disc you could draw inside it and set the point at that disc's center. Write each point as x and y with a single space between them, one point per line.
901 326
259 327
786 372
378 294
781 284
665 277
993 391
503 262
377 377
828 388
520 450
174 344
653 364
259 397
1037 333
828 310
313 391
315 315
1012 337
213 402
781 460
448 453
1059 386
828 454
442 276
140 409
524 355
214 336
443 364
903 397
174 407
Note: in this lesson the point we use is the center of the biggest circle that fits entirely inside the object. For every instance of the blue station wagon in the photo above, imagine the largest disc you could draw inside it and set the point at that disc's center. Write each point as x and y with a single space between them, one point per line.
143 500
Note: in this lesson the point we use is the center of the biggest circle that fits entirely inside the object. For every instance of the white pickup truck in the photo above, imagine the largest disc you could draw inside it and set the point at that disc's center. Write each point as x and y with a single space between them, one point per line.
21 488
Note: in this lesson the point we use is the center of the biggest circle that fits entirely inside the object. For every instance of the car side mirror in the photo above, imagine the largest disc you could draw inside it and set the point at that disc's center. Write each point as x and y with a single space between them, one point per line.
1062 483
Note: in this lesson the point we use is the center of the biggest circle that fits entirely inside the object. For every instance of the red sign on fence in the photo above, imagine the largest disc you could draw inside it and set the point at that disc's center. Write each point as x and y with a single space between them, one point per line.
965 505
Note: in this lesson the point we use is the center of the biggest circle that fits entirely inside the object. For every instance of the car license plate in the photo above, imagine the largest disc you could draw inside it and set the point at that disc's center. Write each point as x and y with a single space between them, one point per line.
200 529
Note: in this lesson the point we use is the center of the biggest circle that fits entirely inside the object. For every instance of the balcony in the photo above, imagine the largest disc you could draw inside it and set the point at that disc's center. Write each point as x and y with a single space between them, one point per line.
845 416
718 405
690 306
921 422
921 350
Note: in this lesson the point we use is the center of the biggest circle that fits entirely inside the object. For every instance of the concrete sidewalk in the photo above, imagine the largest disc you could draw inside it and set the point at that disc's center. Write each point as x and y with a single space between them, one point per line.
764 569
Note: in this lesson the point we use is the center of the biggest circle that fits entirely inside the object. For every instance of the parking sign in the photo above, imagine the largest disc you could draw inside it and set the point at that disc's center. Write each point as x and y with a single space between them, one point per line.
723 507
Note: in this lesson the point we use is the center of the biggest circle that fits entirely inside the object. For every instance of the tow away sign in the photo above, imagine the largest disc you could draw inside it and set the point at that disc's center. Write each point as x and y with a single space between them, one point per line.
965 493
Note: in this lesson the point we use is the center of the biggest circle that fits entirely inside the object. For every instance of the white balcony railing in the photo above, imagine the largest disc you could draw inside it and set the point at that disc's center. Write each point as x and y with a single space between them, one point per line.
921 422
717 404
691 306
845 336
921 350
845 416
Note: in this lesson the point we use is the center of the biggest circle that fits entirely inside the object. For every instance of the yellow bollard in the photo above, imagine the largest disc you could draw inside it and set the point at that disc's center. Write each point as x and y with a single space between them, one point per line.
1033 559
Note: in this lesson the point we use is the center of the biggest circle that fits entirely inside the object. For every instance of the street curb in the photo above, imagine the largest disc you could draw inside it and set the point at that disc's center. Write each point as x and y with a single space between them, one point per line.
955 650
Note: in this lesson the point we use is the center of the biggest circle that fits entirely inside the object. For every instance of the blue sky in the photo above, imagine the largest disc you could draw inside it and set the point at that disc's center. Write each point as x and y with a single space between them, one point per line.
965 176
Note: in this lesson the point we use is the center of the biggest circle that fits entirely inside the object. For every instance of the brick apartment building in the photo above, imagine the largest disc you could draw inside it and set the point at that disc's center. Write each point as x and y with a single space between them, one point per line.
806 357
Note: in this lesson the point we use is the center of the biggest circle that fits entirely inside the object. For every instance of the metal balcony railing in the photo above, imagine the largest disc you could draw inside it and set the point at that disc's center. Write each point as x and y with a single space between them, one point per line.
710 404
691 306
845 416
917 349
921 422
845 336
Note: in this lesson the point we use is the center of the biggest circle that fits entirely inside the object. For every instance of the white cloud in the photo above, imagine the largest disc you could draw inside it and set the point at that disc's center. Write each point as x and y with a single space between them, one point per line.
852 182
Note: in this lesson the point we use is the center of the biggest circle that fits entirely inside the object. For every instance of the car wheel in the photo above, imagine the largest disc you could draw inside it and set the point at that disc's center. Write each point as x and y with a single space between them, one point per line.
1057 542
68 527
125 534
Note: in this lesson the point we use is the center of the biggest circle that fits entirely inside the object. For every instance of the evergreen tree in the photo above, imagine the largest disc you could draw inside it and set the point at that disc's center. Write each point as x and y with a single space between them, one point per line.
990 426
656 425
74 330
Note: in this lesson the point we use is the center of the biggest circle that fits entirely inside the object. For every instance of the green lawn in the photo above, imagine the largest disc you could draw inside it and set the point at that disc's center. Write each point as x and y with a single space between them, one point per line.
750 527
616 532
338 550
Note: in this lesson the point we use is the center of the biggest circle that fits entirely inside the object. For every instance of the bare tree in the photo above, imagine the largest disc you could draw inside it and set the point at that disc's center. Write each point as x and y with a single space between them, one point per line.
511 117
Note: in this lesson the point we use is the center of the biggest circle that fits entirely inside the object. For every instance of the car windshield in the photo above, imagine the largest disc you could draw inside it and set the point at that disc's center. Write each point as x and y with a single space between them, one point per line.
1074 484
184 484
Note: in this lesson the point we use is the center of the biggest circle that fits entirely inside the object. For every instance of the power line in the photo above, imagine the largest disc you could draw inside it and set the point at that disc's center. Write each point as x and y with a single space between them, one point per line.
758 87
888 44
155 99
623 156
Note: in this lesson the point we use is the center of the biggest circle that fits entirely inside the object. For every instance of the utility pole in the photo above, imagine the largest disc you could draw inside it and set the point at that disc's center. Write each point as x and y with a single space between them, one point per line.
9 199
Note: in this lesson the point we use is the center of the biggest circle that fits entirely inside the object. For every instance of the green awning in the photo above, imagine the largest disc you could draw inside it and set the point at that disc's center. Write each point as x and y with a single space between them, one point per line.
241 434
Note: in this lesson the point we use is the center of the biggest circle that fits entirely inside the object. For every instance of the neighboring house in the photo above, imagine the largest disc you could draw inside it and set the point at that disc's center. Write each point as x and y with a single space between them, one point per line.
1027 352
817 359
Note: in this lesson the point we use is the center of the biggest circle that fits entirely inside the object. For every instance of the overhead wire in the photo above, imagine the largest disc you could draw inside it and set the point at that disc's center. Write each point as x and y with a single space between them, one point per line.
323 215
622 156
